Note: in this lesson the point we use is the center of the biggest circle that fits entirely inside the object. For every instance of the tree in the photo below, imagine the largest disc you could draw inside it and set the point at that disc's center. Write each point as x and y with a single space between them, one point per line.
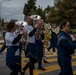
51 14
66 9
41 12
30 7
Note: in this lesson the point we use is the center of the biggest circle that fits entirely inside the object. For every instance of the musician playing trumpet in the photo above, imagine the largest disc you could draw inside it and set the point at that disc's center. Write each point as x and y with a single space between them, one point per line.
30 51
20 27
13 55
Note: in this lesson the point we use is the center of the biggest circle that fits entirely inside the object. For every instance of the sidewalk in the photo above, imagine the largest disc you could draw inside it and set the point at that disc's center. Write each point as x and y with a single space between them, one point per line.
4 70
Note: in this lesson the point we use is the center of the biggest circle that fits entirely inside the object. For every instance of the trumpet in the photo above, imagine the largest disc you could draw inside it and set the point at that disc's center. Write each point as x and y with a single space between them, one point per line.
24 36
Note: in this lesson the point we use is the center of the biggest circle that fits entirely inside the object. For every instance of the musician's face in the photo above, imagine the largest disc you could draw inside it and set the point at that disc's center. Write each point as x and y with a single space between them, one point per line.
29 20
67 27
14 28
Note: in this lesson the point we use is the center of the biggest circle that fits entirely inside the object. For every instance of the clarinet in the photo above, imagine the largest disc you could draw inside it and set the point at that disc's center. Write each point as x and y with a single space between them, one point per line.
73 34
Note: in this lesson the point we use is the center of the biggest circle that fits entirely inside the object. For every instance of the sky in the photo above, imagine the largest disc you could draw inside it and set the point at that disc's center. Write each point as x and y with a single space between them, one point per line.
13 9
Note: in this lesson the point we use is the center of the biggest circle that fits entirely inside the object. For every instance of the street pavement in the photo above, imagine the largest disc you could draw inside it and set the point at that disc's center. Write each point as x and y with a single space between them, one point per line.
52 67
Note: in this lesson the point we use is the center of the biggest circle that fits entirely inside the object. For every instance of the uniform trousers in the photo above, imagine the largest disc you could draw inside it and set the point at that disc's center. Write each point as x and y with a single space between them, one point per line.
17 66
30 65
65 65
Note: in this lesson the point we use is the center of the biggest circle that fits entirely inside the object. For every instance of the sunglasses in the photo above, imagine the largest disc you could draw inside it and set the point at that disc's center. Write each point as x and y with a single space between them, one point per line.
68 25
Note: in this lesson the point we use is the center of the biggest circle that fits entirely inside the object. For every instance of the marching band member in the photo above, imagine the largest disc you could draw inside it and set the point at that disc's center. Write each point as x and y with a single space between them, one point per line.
43 37
53 39
30 51
41 28
66 48
39 46
13 55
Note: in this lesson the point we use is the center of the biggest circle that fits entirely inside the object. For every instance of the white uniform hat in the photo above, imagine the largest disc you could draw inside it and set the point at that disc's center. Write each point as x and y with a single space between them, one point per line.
20 23
35 17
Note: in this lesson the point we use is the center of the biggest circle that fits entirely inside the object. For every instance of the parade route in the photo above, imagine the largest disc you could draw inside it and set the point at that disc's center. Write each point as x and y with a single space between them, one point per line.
37 37
52 67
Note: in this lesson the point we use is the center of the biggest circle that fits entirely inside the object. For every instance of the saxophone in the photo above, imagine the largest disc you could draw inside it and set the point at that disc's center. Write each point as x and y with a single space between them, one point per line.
47 36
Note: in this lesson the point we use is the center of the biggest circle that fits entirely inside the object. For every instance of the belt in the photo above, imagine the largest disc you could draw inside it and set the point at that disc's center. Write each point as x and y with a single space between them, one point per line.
31 43
12 45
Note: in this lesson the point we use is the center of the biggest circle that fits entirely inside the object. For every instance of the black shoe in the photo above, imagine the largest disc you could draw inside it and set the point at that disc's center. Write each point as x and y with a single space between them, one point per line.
1 53
44 61
34 67
41 68
22 72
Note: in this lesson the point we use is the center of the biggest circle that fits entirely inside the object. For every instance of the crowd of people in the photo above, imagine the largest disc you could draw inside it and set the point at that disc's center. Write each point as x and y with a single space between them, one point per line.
35 49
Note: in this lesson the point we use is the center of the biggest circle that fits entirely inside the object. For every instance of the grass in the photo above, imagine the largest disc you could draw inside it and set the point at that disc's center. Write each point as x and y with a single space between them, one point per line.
74 30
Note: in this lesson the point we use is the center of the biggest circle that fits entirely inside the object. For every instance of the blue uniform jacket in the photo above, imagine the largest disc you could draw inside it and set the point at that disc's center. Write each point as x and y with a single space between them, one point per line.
53 39
10 55
65 44
39 47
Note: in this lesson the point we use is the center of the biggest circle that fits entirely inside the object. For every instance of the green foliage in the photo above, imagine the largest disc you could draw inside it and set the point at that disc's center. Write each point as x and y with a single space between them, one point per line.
63 9
30 7
69 11
40 12
73 30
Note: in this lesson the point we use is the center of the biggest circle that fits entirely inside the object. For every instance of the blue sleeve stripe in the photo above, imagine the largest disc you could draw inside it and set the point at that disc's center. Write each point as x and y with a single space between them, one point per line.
61 38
